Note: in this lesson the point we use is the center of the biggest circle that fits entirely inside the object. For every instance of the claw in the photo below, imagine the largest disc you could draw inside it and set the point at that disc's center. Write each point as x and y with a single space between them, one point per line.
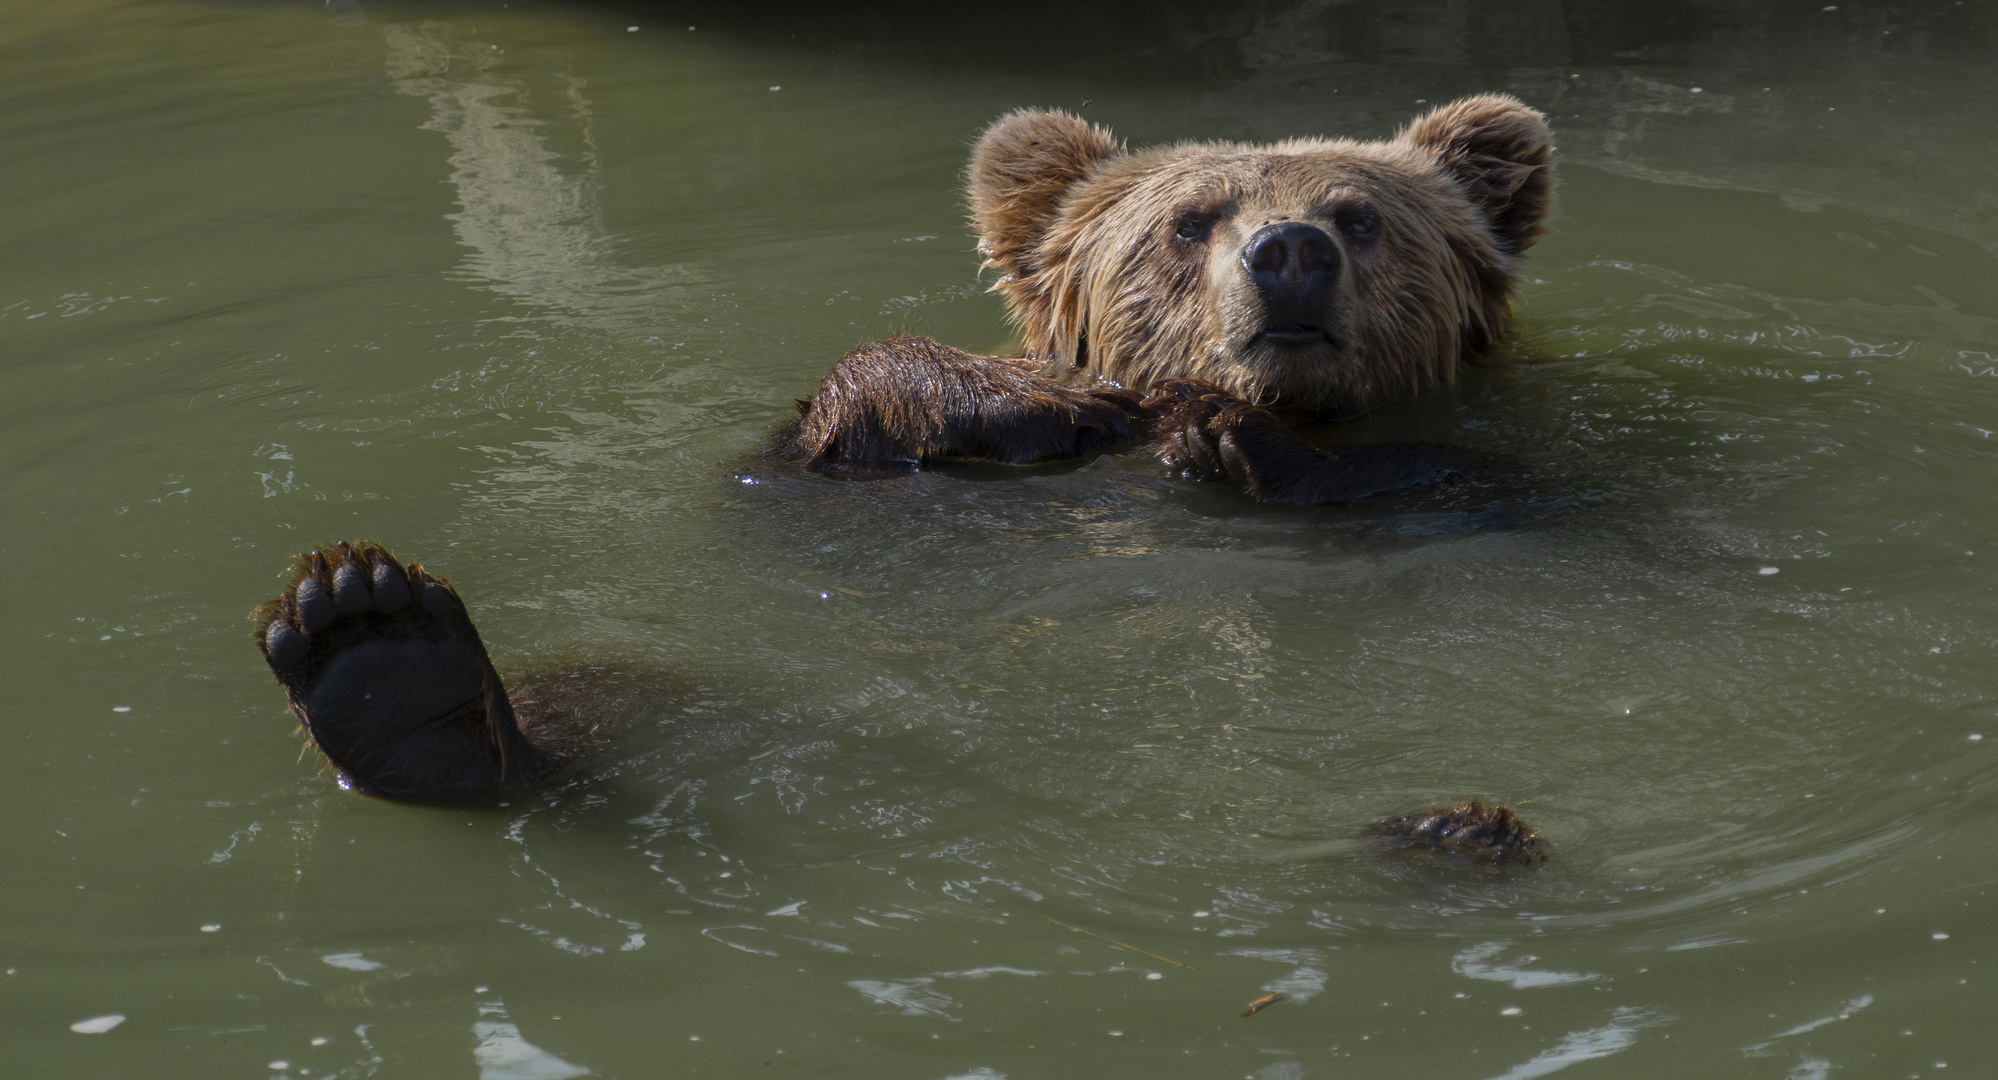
1167 392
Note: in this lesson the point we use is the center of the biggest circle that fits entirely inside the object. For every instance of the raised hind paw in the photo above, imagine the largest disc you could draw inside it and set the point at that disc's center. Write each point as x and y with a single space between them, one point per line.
388 676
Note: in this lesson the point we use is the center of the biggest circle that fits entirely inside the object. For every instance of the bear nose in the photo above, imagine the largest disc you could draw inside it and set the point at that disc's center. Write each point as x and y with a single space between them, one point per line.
1291 260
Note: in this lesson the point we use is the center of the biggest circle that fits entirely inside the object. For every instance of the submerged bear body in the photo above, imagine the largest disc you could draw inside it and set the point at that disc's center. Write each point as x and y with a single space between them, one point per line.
390 681
1197 297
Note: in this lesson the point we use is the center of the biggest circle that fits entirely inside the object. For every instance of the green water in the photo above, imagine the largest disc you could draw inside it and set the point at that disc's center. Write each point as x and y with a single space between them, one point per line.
521 292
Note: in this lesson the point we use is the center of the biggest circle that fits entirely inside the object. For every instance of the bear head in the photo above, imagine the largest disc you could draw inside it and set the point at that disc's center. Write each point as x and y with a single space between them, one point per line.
1328 275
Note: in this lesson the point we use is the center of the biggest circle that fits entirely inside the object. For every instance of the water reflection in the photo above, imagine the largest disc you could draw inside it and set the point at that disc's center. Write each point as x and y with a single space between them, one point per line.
502 1054
535 231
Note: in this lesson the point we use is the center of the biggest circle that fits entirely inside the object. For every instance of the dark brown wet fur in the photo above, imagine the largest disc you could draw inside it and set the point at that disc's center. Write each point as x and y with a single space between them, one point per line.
577 703
1490 835
480 744
908 400
1124 272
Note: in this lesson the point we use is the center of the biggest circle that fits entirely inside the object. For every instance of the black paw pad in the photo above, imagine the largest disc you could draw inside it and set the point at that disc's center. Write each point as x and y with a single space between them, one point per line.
340 594
316 610
399 695
350 592
284 645
437 600
391 587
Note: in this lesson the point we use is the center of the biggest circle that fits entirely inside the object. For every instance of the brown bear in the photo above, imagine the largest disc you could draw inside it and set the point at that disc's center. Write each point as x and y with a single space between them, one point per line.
1212 295
1207 295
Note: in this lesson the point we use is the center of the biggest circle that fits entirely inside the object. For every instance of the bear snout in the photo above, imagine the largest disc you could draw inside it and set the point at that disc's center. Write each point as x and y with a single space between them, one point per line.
1292 264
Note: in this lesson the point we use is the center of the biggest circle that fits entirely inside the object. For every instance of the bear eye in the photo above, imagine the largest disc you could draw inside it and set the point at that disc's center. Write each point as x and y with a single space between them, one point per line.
1194 226
1358 222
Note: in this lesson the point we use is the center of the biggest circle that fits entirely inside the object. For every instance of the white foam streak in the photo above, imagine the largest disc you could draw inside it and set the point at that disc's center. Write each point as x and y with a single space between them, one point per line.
1472 963
1579 1046
502 1054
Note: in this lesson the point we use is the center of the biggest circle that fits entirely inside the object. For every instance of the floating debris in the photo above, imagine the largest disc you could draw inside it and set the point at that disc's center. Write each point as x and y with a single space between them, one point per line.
1262 1003
353 961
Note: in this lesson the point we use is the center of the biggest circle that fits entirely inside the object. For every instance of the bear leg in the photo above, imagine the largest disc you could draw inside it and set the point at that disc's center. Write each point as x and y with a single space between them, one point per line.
386 673
903 402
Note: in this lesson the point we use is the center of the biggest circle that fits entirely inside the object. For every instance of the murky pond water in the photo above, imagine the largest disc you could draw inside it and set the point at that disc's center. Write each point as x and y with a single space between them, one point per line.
990 773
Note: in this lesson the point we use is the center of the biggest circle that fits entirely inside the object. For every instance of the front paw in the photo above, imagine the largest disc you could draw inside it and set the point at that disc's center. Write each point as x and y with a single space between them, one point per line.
1104 418
1195 418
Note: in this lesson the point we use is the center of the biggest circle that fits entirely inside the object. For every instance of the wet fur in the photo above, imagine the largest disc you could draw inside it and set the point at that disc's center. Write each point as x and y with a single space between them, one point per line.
1492 835
1131 331
1096 281
1106 292
908 400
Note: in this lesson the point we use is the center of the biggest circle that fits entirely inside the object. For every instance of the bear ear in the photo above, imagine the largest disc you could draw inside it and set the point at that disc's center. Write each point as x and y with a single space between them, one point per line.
1022 166
1503 155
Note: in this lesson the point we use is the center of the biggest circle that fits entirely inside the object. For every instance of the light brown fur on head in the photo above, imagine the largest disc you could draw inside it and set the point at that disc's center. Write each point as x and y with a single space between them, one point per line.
1135 266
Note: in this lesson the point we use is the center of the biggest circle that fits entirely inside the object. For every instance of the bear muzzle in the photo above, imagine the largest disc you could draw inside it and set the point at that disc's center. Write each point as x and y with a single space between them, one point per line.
1294 268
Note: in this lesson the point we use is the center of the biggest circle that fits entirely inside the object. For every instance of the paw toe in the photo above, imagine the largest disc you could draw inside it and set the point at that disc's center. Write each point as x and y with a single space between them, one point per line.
316 609
284 645
1168 392
437 600
350 592
391 588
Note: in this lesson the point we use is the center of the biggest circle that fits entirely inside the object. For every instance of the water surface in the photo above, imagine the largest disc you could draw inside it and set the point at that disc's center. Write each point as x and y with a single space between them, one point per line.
990 773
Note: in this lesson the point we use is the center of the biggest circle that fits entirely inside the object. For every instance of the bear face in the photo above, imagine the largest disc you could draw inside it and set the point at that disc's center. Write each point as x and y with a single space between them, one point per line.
1326 275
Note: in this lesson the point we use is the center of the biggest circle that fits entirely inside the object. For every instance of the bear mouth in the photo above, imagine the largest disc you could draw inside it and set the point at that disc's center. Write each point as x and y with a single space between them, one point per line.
1292 335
